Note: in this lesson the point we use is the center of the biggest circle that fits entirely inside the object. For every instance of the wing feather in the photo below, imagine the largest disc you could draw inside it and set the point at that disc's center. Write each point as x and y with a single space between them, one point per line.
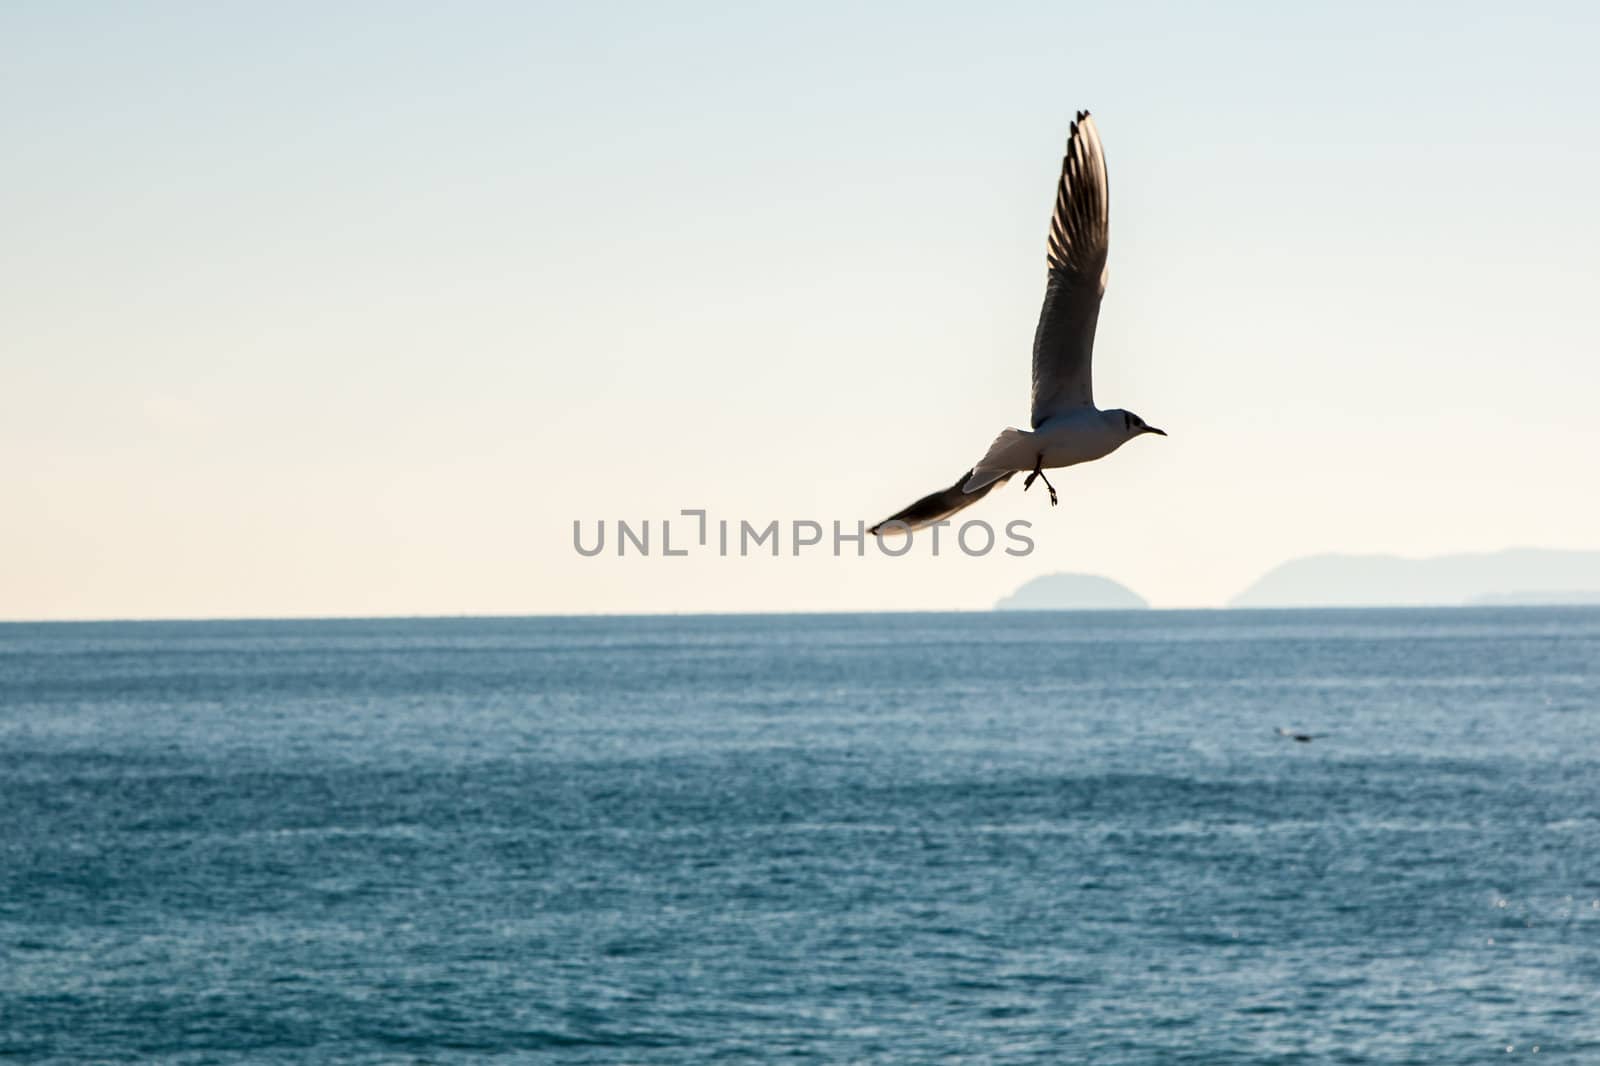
1063 345
937 506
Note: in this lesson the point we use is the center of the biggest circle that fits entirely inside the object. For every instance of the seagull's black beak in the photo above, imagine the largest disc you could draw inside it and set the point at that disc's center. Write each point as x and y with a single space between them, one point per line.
1153 429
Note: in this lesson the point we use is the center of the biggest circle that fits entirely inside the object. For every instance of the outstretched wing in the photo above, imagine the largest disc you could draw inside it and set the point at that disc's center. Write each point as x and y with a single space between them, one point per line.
1063 345
939 505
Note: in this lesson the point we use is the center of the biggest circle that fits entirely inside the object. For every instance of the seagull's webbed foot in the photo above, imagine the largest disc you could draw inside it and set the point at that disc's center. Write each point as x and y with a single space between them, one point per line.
1038 472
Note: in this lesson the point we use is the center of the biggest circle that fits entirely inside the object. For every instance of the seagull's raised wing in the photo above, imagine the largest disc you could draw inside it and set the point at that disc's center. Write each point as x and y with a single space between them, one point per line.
1063 345
940 505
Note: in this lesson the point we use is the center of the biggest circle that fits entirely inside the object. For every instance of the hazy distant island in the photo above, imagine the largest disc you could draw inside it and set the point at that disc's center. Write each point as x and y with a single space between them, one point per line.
1514 576
1072 592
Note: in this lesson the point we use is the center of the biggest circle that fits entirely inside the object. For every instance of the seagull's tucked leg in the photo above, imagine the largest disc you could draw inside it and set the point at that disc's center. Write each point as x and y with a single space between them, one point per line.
1038 472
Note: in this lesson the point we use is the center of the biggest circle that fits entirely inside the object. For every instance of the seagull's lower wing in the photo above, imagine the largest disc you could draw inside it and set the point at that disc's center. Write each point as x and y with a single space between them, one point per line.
937 506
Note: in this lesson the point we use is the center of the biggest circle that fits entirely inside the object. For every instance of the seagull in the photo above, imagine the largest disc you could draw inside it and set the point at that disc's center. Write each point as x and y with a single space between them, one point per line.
1304 738
1067 427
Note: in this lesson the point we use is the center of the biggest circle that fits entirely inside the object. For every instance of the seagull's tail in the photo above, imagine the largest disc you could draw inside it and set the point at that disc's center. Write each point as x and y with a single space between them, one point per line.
1009 453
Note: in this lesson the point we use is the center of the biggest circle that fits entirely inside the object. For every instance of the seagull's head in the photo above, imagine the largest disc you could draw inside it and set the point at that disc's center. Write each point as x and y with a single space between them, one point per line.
1133 425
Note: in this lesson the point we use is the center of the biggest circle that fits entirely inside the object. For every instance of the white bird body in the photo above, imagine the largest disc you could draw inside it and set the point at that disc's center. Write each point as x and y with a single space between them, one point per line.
1067 426
1079 435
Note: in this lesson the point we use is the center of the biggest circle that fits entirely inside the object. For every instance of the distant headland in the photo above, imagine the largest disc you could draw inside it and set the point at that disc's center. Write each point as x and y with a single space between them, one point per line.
1513 576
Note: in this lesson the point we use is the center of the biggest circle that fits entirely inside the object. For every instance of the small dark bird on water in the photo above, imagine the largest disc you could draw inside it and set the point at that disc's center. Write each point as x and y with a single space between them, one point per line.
1303 738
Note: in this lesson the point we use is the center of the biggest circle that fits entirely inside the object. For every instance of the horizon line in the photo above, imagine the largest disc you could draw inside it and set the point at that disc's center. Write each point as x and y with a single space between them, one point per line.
486 616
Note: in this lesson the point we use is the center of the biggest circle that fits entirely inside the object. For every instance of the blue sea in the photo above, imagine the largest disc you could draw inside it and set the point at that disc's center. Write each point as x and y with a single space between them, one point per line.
915 838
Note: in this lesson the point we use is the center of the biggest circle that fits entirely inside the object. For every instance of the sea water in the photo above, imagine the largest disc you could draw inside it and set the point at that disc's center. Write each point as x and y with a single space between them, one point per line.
999 838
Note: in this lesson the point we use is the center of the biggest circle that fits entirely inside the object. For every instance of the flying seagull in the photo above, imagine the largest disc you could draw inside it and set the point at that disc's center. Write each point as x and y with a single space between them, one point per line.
1304 738
1067 427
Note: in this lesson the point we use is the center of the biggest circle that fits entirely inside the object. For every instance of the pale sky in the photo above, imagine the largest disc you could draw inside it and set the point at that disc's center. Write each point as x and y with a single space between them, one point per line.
354 311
